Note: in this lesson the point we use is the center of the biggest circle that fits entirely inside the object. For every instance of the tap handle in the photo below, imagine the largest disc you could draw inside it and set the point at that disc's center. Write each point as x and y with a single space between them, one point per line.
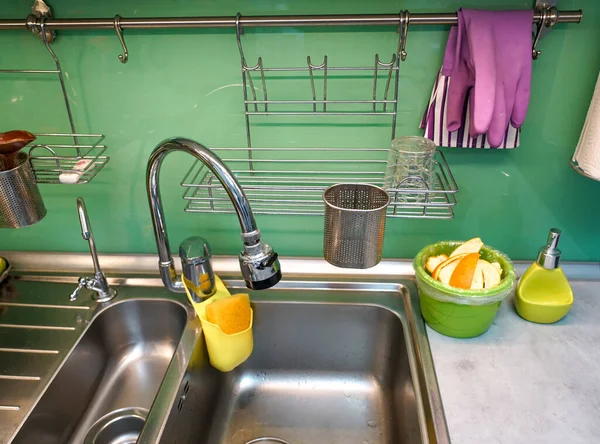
82 283
195 249
198 275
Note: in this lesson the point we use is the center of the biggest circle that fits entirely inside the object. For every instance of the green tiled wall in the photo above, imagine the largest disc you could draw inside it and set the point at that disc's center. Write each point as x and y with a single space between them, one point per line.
187 83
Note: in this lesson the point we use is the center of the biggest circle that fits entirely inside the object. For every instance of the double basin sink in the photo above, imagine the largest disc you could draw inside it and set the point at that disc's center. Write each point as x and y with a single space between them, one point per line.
333 362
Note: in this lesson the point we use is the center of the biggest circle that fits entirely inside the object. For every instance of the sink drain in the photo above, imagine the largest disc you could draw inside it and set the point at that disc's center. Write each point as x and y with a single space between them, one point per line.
268 440
119 427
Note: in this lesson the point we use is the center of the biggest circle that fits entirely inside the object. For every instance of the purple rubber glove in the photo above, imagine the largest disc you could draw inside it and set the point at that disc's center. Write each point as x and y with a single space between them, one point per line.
450 52
492 64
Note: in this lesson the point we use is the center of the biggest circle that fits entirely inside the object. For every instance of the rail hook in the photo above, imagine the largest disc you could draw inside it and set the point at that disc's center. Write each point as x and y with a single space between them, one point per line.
238 36
549 17
403 30
117 23
239 31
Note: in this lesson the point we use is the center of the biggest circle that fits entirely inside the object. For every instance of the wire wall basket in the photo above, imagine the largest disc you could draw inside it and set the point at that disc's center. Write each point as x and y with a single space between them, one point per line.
67 158
292 181
261 83
63 158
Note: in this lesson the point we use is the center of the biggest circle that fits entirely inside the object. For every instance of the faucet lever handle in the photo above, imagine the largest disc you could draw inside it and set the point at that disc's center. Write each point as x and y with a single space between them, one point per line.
198 274
82 283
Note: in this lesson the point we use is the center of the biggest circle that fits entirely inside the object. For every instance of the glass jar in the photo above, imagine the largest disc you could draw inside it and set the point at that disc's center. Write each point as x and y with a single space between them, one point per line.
411 166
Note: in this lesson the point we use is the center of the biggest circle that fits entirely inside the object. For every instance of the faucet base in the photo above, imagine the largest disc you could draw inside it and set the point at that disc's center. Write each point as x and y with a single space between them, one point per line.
109 295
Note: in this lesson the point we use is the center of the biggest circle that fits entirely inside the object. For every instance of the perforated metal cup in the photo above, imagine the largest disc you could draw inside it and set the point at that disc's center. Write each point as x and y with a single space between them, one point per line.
20 201
354 224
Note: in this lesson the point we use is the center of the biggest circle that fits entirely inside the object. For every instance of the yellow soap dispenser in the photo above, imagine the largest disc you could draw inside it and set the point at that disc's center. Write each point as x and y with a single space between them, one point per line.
544 294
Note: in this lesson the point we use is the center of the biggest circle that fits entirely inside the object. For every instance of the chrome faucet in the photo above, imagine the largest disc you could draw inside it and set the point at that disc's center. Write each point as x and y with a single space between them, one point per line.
258 262
98 283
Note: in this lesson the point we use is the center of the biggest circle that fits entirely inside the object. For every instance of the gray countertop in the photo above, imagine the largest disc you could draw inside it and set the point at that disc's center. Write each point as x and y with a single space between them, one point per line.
523 382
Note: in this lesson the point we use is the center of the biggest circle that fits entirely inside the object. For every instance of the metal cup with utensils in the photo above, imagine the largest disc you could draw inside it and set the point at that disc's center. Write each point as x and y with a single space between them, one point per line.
11 142
354 224
20 201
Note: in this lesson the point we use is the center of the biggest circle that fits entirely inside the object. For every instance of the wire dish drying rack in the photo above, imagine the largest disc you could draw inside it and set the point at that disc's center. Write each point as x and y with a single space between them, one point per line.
381 76
379 97
292 181
54 154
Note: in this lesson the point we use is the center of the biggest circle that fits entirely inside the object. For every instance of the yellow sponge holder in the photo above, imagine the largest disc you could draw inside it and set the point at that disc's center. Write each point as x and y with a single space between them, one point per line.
225 352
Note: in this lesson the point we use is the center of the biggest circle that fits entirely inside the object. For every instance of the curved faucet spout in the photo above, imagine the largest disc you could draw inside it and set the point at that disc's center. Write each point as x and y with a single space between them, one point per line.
258 262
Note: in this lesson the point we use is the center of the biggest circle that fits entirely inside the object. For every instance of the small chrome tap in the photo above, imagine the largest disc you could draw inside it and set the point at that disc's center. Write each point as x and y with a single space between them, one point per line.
98 284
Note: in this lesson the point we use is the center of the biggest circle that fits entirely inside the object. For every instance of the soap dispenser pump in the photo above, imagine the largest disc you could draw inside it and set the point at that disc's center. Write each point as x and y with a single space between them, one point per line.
544 294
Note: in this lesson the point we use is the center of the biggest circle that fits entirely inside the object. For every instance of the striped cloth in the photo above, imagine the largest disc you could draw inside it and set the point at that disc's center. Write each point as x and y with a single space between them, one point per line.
435 119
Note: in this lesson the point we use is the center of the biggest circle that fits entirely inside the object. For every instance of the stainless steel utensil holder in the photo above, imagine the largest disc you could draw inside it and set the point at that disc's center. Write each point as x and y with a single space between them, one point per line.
20 201
354 224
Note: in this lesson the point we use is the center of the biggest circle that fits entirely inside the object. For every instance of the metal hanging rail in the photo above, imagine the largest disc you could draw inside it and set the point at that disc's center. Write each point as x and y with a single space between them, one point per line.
30 22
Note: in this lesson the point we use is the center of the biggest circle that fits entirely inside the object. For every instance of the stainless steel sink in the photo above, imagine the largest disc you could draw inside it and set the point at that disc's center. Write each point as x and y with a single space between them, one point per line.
320 373
332 363
337 359
104 389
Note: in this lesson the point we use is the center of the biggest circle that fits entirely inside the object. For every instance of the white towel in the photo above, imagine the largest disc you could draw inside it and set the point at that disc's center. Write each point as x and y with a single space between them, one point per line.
586 159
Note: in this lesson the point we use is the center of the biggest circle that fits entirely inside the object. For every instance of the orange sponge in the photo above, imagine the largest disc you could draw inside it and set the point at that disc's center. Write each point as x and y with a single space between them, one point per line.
232 314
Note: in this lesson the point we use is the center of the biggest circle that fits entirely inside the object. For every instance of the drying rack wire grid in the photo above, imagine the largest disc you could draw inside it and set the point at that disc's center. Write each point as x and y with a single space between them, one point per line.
292 180
380 98
54 154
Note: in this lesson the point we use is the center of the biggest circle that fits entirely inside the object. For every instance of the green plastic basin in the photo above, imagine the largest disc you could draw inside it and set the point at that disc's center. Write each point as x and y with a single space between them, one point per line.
455 312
